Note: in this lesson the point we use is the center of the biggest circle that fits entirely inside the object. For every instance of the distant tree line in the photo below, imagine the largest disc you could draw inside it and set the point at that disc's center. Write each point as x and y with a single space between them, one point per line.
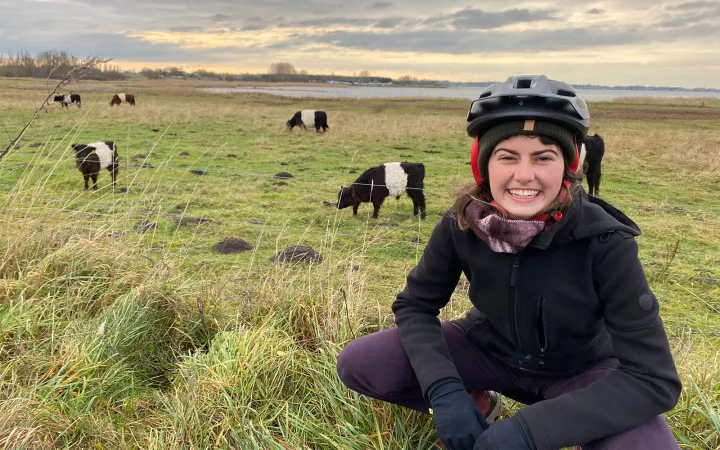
54 64
278 72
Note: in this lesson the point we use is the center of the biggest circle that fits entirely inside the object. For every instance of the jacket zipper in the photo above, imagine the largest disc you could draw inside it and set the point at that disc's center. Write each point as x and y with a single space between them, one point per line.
542 329
513 297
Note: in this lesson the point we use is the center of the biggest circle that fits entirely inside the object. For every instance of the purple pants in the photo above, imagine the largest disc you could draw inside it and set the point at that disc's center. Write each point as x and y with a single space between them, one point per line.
376 365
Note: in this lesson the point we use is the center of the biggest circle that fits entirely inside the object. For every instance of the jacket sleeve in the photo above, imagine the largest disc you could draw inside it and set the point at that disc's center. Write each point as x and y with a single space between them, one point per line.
646 382
428 289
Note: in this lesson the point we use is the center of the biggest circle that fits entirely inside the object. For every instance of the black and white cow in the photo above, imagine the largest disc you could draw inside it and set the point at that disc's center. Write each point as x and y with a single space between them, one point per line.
308 118
64 100
591 155
120 98
93 157
378 182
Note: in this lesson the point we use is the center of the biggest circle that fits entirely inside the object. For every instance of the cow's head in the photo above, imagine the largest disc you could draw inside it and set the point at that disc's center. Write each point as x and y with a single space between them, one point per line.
289 125
82 151
346 197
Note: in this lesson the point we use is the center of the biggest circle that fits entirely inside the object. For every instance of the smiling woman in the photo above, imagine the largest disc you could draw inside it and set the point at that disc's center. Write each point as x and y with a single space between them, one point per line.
562 316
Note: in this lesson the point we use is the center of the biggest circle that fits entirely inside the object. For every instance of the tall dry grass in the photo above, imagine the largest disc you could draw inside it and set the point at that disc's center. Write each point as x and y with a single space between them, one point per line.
114 339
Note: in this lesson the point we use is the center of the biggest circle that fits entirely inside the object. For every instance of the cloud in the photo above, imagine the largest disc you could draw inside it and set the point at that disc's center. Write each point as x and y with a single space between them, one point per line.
467 41
693 5
186 28
595 11
380 5
475 19
683 21
220 17
331 21
389 22
253 28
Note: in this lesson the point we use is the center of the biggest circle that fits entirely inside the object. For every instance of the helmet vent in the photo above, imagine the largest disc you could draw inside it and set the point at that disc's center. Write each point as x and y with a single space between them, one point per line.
565 93
524 83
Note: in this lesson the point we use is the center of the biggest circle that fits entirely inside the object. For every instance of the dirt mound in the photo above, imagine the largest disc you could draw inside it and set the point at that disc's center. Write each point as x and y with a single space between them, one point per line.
283 175
232 245
298 254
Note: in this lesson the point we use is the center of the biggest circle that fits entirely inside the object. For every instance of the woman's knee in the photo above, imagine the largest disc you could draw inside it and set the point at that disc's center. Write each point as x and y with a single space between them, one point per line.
654 434
349 362
376 363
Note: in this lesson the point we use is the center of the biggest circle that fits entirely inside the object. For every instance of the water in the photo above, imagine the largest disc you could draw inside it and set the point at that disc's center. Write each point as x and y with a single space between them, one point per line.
465 93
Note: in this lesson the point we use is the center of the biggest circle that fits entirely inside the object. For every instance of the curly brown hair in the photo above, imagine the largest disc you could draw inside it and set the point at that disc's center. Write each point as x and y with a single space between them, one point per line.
473 192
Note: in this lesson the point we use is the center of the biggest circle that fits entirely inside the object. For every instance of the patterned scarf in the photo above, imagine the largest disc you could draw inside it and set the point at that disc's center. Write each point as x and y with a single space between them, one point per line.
504 235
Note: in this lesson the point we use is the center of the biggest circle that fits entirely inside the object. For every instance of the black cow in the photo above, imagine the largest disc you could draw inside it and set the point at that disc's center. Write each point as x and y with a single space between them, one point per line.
91 158
591 156
378 182
64 100
308 118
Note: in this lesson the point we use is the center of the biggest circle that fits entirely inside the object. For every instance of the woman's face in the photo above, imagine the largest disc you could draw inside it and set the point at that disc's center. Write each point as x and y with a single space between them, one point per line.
525 175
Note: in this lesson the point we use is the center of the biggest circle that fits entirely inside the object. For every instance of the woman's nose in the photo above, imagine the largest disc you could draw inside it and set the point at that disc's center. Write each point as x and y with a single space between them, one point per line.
524 172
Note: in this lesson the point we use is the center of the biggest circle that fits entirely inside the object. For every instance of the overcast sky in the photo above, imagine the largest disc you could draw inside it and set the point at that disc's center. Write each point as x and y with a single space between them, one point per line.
647 42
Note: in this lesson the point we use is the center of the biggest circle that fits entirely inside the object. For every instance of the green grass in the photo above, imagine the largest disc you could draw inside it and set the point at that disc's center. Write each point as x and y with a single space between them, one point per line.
115 338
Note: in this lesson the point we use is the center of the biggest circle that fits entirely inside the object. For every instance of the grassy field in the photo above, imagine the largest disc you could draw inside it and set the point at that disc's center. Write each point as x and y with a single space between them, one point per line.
123 326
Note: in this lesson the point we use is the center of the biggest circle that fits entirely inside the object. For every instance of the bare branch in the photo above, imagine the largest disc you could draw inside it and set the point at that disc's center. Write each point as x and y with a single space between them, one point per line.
77 71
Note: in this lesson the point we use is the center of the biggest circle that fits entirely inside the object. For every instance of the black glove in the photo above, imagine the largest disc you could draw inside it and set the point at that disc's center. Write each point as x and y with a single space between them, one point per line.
458 420
507 434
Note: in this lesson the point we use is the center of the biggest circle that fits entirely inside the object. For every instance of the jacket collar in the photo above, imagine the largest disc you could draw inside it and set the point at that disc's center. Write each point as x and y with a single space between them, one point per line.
587 217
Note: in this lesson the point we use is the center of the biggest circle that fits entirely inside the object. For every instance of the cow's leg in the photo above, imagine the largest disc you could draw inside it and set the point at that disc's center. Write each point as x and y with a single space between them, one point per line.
355 208
86 177
113 171
418 199
591 184
94 178
597 182
377 203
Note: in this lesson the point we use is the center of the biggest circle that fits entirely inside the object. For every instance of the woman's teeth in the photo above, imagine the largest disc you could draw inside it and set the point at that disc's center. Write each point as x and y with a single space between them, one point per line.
523 193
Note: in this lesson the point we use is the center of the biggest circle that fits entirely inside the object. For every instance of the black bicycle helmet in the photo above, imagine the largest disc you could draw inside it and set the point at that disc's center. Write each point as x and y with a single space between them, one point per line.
529 97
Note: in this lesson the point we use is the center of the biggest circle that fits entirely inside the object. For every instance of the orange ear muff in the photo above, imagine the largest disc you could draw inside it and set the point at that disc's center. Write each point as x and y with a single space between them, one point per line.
474 156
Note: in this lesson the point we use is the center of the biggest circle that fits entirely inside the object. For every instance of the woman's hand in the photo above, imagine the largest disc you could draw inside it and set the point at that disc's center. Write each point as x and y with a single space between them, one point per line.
458 420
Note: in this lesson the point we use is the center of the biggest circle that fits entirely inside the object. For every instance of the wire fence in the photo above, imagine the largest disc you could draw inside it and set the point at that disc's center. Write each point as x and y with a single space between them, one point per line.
200 170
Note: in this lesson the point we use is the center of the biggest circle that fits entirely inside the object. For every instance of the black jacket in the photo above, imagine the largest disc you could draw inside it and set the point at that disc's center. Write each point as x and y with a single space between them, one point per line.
575 296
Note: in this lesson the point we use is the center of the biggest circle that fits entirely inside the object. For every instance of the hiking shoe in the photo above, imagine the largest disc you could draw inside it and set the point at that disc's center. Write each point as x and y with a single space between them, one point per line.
489 402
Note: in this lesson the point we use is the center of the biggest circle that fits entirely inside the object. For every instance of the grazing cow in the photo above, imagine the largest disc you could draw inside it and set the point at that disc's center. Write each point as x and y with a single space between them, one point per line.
91 158
378 182
66 99
119 98
591 154
308 118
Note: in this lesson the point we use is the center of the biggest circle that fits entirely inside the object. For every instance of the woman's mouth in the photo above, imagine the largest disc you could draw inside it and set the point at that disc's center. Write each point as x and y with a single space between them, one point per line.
523 194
